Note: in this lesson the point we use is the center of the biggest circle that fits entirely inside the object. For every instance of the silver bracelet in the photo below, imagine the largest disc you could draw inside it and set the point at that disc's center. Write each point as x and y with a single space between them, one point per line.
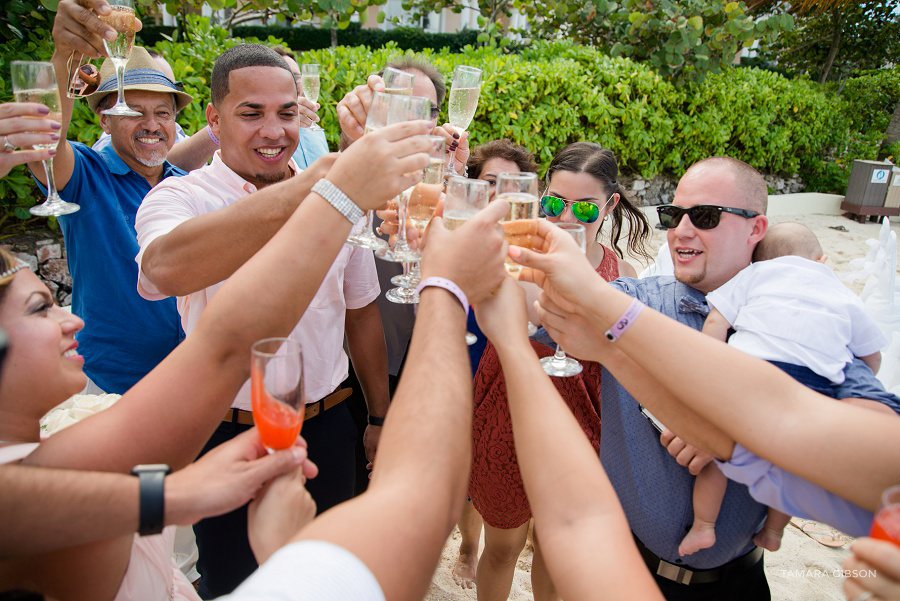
338 200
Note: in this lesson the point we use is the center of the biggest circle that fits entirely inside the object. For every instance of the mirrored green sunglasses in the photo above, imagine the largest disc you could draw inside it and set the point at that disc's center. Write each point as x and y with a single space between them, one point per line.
584 211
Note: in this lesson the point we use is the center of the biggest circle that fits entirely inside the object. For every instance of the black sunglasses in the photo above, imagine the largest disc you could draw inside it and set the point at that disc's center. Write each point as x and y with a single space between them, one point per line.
704 217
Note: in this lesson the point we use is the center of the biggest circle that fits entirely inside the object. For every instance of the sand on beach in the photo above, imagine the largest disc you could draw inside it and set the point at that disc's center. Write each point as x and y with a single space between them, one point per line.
802 570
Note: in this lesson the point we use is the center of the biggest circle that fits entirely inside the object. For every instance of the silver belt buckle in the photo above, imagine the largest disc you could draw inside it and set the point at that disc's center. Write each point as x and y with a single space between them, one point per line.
670 571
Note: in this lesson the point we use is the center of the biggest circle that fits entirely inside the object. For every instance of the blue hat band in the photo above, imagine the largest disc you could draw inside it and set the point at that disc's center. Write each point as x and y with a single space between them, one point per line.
135 77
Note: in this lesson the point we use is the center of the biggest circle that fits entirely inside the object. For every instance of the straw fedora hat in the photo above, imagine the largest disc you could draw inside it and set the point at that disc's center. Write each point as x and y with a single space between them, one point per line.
141 73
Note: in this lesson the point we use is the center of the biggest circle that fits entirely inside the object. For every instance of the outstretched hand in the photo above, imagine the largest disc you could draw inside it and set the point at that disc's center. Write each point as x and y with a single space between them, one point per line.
353 109
229 476
382 164
78 27
22 125
471 256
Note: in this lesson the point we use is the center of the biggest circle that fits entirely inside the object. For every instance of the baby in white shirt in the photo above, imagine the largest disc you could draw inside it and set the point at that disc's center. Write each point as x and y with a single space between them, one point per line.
791 310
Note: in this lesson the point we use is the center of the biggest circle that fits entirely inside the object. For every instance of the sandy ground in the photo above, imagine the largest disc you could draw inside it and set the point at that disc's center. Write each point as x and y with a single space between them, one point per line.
802 570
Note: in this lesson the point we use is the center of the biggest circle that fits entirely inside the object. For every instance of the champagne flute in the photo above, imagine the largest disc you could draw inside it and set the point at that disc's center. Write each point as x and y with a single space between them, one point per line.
464 198
418 203
121 19
310 82
463 102
398 82
36 82
520 224
559 364
276 384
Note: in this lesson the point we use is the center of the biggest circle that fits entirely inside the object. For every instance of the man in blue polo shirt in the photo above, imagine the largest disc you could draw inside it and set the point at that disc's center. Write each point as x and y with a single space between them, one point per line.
124 336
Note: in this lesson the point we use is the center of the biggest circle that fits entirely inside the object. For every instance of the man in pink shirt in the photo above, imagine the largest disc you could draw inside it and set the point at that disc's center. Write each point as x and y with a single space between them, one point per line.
195 234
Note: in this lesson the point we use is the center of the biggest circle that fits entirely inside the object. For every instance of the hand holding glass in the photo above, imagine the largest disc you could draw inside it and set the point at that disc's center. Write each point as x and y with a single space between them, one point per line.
463 198
276 377
886 525
310 83
463 102
398 82
559 364
122 19
36 82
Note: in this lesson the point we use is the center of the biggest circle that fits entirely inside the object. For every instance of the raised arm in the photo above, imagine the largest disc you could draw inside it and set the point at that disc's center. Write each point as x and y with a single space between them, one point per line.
194 152
397 528
573 502
209 248
76 28
169 414
45 509
755 403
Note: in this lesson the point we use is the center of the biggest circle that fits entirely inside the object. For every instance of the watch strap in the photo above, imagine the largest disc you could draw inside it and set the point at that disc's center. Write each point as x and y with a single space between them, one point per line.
152 498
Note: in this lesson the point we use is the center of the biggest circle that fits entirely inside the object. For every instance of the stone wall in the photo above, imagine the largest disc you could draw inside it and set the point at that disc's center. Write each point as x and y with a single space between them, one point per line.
45 253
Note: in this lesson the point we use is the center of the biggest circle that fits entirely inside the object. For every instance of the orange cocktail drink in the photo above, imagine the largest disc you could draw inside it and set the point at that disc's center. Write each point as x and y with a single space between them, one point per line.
276 374
886 525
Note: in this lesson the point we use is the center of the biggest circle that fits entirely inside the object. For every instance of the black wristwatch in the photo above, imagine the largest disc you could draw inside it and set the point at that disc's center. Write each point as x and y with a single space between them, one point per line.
153 501
376 421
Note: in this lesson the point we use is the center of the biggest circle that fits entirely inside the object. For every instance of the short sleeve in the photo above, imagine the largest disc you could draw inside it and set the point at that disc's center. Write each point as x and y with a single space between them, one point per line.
313 570
728 298
164 208
360 279
866 337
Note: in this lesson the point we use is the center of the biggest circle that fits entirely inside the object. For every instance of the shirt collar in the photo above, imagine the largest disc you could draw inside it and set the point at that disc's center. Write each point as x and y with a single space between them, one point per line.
232 179
117 166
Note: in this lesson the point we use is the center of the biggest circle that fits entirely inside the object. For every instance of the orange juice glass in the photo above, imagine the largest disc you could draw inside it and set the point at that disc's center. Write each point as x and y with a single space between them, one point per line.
276 375
886 525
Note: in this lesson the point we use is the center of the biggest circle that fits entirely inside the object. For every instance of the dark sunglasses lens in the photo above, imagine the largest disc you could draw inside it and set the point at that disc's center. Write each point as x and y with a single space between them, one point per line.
586 212
552 206
669 216
705 217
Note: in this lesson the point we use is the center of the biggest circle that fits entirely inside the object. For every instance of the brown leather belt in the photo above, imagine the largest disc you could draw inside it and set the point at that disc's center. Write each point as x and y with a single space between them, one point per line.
245 418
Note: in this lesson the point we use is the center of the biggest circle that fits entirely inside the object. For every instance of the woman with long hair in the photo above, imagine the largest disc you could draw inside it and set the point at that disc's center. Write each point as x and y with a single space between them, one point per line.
582 187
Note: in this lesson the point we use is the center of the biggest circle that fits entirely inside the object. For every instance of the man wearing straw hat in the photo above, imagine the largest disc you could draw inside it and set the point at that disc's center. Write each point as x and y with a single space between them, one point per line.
124 336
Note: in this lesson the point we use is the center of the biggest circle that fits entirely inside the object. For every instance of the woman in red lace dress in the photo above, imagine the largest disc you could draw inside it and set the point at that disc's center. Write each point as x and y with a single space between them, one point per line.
580 173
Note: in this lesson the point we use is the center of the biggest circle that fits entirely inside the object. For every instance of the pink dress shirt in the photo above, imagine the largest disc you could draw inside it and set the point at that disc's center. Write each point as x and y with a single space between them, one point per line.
351 283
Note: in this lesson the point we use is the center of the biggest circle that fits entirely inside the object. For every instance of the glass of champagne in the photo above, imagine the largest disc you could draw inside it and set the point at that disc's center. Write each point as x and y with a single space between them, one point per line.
375 119
398 82
559 364
886 525
463 102
520 190
276 384
310 82
121 19
417 204
36 82
463 198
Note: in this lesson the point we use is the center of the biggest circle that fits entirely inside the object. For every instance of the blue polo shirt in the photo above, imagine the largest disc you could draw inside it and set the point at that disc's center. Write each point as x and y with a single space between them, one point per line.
124 336
312 145
656 492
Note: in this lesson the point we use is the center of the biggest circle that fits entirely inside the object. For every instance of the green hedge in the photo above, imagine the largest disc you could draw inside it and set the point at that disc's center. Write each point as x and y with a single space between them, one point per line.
553 94
406 38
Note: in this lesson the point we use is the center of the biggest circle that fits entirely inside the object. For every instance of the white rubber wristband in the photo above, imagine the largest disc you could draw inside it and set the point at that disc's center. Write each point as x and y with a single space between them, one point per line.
624 322
448 285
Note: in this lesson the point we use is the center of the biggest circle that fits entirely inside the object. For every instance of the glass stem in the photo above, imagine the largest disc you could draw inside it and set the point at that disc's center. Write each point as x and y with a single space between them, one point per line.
559 355
52 195
120 80
369 222
402 211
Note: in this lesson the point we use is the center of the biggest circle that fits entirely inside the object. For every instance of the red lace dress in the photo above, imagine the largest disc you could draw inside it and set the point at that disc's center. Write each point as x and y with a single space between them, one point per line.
495 485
